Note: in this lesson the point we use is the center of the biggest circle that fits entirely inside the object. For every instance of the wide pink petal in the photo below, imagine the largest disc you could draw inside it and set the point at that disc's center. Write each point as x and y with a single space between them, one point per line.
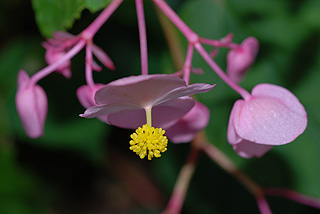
163 115
283 95
142 90
267 120
184 91
186 128
247 149
110 108
233 137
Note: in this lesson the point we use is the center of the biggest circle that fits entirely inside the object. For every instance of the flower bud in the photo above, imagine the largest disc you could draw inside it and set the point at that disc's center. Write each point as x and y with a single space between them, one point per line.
31 104
241 58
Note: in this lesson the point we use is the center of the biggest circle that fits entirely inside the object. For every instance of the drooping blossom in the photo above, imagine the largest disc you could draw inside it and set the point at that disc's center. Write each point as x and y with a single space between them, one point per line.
57 47
31 104
271 116
241 58
62 42
146 101
186 128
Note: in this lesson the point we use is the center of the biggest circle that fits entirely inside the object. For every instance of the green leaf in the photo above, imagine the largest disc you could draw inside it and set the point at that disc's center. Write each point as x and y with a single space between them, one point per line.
54 15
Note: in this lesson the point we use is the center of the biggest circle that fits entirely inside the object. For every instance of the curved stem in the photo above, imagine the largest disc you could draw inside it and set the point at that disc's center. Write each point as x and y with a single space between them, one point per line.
244 93
50 68
92 29
221 159
300 198
142 37
194 39
180 189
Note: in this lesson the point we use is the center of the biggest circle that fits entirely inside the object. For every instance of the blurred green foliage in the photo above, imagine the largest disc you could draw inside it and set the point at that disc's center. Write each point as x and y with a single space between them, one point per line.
70 169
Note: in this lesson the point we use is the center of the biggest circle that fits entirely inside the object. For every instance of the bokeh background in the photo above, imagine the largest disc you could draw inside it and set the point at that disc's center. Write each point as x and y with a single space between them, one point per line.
82 166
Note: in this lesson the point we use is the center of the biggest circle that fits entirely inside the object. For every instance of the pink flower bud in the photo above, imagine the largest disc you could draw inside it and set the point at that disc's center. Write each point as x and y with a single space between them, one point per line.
271 116
241 58
85 96
31 104
186 128
53 55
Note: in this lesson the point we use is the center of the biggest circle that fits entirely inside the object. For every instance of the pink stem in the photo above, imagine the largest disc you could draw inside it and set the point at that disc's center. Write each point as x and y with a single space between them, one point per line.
221 159
300 198
194 39
143 37
263 205
176 20
187 64
92 29
89 61
50 68
244 93
180 189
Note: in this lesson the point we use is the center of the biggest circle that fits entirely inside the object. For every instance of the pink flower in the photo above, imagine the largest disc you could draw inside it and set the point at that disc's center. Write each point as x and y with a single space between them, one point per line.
241 58
31 104
186 128
125 101
57 47
271 116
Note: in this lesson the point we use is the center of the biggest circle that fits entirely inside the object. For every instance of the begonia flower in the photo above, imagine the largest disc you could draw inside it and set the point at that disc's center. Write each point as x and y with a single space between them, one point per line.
241 58
31 104
186 128
271 116
146 101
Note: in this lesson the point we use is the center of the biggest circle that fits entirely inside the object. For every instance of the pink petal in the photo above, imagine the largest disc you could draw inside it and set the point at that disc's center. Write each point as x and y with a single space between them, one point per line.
163 115
110 108
184 91
102 56
185 129
62 35
270 120
142 90
247 149
239 60
233 137
86 94
283 94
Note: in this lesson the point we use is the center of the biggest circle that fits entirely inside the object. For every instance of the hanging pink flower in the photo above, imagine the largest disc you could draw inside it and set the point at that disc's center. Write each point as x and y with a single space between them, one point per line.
241 58
186 128
31 104
271 116
125 100
142 103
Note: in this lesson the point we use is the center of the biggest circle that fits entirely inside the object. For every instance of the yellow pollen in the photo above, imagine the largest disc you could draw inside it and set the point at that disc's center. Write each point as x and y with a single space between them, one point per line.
148 141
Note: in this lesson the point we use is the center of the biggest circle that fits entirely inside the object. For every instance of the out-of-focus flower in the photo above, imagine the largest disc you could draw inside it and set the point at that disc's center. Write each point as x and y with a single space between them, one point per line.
271 116
186 128
149 100
85 94
31 104
241 58
57 47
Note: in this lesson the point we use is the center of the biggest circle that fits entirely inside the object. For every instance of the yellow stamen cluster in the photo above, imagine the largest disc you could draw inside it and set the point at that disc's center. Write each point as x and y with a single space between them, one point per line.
148 140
